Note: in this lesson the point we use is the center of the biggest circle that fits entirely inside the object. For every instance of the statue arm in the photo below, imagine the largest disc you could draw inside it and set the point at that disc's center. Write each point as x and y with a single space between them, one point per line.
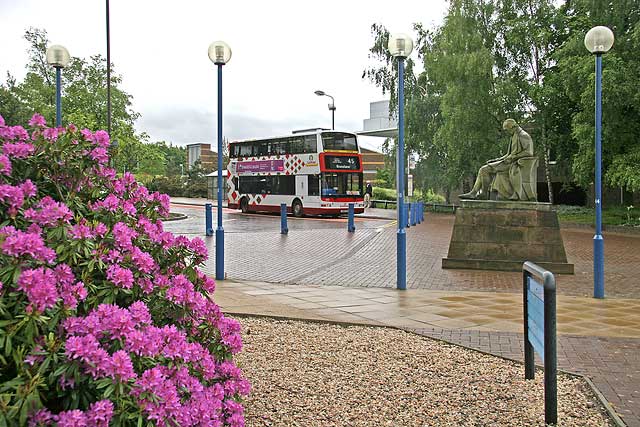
499 159
525 148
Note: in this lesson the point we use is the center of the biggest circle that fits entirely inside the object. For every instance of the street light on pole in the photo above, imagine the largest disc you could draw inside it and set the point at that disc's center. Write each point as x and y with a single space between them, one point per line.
58 57
332 106
598 40
219 54
400 47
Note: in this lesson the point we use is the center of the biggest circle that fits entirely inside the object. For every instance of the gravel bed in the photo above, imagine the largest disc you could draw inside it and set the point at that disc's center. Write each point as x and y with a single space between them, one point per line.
311 374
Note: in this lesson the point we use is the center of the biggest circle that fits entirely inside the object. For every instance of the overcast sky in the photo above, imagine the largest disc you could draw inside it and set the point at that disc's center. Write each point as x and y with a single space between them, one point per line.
282 52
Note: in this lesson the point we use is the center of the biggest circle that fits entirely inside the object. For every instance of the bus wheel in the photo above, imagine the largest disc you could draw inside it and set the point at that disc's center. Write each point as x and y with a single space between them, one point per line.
296 208
244 205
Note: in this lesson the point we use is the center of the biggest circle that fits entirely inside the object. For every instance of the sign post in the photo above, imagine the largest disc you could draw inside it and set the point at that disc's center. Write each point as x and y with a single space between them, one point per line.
539 300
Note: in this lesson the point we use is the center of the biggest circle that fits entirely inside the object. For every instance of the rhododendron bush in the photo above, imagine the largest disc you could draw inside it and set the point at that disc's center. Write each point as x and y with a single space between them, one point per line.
105 318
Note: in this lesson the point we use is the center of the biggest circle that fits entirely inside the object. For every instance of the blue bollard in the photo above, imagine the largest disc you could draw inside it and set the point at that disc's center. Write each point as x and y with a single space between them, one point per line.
283 219
208 227
414 214
351 224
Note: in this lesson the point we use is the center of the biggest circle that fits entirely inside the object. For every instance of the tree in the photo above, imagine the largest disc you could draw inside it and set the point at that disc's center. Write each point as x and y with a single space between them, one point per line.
574 80
452 107
530 31
84 97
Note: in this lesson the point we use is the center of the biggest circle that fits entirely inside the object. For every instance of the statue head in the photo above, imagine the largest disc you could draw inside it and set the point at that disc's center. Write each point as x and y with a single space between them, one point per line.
509 125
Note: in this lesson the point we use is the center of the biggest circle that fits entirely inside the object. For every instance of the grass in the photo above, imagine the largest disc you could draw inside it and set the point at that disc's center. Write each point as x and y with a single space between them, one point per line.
618 215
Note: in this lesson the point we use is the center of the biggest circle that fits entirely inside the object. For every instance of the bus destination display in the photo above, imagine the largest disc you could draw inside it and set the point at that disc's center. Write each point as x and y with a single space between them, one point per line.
341 162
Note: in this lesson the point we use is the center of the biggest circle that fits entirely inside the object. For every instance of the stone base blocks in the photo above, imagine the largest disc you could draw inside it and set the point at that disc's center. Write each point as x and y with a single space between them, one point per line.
502 235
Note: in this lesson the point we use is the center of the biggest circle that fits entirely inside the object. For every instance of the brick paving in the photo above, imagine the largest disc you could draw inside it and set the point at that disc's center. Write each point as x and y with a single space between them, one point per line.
375 264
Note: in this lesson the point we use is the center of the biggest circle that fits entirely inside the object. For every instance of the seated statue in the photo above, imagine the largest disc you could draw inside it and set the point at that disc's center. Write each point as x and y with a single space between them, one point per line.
512 176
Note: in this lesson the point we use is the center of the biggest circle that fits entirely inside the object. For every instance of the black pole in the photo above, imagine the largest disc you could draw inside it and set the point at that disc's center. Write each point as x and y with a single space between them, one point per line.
550 352
108 74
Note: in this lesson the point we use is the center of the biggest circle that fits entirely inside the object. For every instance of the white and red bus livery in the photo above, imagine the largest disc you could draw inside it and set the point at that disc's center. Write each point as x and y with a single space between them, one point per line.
314 173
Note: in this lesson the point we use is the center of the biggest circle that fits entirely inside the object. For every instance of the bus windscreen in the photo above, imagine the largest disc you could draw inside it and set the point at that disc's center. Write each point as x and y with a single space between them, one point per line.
341 184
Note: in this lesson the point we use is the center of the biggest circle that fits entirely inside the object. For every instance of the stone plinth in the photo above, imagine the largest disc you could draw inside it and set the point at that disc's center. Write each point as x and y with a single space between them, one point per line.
502 235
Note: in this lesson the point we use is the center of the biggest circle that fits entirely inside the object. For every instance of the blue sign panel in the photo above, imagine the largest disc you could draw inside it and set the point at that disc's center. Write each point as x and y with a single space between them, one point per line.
535 317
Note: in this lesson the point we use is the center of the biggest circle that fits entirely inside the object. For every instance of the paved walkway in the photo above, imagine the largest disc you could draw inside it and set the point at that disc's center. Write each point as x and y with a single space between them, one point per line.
597 338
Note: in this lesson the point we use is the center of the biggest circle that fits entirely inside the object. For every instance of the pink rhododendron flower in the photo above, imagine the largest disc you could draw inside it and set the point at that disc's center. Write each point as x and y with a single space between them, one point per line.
12 196
18 150
121 366
100 229
100 413
1 120
18 243
81 231
100 155
37 120
51 134
123 236
40 287
143 260
198 246
101 138
73 418
28 188
14 133
49 212
110 203
121 277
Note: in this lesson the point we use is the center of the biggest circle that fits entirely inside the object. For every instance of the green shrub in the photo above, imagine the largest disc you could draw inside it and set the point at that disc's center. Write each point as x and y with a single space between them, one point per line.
430 196
171 185
384 193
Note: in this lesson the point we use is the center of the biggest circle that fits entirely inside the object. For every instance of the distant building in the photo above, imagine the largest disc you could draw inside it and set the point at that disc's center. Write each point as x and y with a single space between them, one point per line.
200 151
379 121
371 161
381 125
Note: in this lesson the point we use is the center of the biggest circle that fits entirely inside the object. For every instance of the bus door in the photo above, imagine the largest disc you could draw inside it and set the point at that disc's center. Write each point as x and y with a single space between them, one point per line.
302 185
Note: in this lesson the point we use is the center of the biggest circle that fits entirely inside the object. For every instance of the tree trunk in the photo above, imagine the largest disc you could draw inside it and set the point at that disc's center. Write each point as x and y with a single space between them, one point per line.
547 172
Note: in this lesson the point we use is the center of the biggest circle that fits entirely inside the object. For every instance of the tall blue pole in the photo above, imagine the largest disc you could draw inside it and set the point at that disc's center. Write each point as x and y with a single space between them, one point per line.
58 97
598 241
401 235
220 230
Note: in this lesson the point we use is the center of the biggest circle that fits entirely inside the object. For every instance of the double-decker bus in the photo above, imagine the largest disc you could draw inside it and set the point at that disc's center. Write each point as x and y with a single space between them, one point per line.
313 173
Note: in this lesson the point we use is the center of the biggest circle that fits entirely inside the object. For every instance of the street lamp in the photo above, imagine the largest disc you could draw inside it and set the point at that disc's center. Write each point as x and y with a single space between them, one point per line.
598 40
332 106
400 47
108 71
58 57
219 54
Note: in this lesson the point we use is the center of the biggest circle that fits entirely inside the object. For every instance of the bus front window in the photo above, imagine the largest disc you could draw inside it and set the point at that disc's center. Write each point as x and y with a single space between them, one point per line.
339 141
341 184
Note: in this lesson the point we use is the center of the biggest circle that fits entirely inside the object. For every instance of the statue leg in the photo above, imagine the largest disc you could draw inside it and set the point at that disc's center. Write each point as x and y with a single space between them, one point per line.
481 187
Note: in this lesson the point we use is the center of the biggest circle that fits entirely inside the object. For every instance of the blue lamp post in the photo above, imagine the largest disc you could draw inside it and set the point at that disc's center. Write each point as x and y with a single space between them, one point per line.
219 54
598 40
400 47
58 57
